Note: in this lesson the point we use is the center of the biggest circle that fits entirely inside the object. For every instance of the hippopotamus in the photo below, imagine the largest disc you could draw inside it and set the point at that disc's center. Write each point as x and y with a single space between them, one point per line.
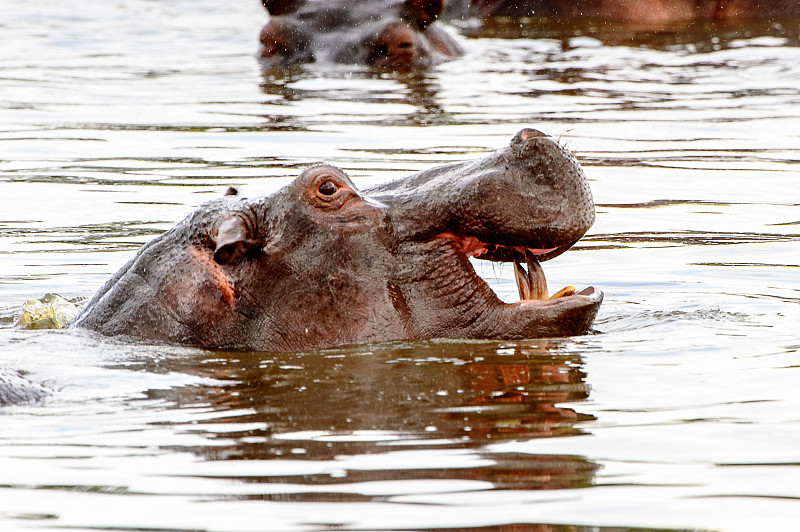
380 33
320 264
637 11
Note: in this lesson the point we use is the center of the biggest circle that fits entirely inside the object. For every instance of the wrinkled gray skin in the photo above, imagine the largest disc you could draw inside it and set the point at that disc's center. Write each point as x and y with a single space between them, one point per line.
320 264
380 33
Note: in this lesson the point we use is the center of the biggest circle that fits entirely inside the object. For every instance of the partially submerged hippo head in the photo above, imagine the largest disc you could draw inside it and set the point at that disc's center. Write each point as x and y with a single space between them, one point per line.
319 264
381 33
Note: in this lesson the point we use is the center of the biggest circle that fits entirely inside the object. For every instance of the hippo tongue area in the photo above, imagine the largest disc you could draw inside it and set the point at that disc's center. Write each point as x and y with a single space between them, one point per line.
530 278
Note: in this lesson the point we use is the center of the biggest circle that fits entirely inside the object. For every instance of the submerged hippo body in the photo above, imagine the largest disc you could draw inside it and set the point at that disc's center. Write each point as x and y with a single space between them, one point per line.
16 389
382 33
320 264
638 11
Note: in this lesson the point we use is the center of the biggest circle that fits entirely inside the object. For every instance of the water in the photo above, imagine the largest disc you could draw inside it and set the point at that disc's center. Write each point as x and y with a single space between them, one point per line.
117 119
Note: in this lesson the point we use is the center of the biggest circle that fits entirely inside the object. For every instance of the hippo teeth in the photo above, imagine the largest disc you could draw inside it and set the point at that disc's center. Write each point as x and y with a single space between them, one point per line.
532 284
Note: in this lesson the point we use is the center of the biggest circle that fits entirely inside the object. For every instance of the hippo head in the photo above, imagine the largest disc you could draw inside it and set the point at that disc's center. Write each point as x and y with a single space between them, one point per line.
380 33
319 263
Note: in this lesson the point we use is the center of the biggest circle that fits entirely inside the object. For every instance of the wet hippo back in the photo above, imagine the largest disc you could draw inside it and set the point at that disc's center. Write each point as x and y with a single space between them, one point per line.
16 389
637 11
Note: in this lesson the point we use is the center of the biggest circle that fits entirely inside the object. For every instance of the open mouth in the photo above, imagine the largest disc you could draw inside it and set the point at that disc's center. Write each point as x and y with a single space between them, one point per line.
528 272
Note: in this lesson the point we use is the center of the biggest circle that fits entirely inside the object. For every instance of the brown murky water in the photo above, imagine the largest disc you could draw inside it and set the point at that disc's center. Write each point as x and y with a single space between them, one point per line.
117 119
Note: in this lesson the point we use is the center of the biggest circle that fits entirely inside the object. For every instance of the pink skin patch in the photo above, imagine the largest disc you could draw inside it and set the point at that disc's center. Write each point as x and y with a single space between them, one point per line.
472 247
227 291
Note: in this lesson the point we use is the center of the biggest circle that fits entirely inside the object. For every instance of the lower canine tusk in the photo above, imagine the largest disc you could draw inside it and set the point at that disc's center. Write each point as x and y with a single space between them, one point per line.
536 278
531 283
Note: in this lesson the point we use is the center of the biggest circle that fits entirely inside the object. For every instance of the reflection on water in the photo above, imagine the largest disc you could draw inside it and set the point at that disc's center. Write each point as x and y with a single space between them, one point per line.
117 119
416 89
389 400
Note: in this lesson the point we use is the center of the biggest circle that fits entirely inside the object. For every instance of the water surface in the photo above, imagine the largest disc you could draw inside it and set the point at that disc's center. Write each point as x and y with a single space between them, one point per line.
117 119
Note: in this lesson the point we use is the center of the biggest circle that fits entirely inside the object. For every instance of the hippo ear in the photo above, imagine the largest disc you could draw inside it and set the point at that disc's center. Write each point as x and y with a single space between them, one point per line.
421 13
232 240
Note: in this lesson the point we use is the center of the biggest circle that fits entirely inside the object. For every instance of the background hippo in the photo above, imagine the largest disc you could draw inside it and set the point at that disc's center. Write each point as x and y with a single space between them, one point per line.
319 264
383 33
640 11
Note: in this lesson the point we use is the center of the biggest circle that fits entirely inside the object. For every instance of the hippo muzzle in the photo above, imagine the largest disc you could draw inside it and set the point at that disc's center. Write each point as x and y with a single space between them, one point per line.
320 264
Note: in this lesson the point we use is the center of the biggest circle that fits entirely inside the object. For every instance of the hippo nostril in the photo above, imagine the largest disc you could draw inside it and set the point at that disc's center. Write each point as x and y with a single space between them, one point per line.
529 133
280 7
422 13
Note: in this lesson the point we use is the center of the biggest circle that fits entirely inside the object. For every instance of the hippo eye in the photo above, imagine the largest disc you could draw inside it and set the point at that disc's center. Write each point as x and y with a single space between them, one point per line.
328 188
